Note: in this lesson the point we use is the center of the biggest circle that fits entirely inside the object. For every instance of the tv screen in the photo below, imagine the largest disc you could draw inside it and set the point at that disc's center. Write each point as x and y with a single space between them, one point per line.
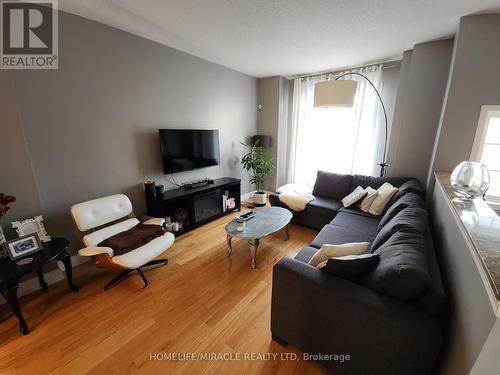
188 149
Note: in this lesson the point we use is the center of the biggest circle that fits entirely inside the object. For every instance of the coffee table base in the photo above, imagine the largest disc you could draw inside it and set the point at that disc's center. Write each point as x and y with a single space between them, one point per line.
253 245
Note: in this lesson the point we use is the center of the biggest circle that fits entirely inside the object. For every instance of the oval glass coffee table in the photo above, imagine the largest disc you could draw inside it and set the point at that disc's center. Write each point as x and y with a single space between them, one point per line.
267 220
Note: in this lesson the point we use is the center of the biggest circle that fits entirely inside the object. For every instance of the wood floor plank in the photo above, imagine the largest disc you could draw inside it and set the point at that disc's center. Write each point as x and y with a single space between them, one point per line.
203 301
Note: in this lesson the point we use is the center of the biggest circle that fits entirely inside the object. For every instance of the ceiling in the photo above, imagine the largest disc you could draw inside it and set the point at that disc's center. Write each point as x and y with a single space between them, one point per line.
284 37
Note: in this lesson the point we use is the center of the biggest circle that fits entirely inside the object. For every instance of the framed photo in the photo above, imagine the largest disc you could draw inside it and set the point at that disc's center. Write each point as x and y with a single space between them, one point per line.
23 246
30 226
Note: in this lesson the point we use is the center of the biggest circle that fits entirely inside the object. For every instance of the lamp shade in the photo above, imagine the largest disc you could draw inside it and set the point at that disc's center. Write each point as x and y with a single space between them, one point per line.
264 140
335 93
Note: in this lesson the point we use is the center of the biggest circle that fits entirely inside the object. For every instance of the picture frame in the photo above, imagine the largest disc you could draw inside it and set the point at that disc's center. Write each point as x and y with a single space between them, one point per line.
29 226
22 246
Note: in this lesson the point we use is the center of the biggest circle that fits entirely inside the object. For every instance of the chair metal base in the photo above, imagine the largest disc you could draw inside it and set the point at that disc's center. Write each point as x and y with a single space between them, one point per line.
139 270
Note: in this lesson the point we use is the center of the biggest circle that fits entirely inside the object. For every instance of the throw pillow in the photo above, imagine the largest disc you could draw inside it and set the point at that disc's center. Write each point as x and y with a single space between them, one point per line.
328 251
355 196
350 267
384 195
367 201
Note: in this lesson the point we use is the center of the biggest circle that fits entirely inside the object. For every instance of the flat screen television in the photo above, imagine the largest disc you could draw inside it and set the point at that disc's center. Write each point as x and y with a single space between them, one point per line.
188 149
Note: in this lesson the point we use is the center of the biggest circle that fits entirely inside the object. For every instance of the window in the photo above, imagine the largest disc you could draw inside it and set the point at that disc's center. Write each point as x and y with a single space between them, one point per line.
486 148
341 140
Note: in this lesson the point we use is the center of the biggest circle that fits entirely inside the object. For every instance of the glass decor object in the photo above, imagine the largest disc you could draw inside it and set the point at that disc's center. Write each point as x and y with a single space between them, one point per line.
470 180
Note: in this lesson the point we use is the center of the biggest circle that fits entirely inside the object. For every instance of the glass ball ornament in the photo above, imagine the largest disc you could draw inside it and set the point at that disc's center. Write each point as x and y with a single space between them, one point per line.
470 180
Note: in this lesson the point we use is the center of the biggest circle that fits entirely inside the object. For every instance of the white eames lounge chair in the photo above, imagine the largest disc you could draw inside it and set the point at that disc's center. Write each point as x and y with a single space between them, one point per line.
96 214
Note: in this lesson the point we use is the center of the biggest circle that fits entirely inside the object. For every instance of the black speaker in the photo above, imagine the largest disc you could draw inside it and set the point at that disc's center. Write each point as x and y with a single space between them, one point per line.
150 192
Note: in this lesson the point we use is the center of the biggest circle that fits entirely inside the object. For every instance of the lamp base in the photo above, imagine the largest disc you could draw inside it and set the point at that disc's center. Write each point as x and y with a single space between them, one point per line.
383 167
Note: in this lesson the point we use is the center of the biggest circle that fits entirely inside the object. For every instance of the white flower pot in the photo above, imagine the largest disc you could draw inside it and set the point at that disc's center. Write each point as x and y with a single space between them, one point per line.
260 198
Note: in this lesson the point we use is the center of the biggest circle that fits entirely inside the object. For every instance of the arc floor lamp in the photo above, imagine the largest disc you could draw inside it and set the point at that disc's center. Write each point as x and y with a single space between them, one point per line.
340 93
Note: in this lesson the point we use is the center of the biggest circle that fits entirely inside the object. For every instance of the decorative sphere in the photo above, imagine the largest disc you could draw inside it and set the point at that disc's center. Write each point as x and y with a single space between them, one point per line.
470 180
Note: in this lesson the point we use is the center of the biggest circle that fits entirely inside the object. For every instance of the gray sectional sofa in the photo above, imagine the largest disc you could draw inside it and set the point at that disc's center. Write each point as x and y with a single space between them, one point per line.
388 321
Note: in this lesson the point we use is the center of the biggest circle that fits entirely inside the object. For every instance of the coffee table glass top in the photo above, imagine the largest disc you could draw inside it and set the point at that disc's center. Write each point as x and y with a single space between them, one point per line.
267 220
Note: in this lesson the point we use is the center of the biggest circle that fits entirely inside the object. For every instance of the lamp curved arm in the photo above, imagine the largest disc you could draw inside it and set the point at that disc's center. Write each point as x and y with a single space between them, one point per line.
384 164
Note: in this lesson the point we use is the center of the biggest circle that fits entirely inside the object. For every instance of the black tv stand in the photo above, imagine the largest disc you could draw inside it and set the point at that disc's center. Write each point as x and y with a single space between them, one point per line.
197 205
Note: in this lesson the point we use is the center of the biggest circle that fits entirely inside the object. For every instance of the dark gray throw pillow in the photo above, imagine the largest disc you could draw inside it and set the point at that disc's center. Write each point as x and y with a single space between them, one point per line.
411 218
407 200
402 271
351 267
332 185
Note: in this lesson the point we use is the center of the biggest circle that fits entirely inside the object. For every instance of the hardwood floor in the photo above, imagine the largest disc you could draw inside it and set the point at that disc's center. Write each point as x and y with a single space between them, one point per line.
201 302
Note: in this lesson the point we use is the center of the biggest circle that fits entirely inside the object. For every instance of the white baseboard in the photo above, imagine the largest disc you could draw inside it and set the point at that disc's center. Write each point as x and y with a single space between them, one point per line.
52 277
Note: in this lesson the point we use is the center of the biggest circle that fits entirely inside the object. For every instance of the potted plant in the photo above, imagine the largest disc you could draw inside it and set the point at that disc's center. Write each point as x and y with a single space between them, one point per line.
258 160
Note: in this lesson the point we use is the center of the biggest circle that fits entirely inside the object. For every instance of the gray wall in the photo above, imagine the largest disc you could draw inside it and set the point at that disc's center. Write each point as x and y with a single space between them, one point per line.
268 97
272 95
16 176
419 102
474 82
91 126
390 80
471 316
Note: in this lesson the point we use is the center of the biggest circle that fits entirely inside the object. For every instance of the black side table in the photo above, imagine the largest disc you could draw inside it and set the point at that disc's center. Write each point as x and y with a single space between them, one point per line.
11 273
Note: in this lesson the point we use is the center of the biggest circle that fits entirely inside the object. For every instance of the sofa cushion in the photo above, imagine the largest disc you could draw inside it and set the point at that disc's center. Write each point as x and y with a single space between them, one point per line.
323 206
306 254
350 267
407 200
332 234
411 218
358 223
357 211
376 182
365 181
411 186
329 250
275 201
332 185
402 271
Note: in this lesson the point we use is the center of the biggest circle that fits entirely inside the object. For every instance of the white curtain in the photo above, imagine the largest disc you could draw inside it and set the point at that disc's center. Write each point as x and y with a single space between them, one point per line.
341 140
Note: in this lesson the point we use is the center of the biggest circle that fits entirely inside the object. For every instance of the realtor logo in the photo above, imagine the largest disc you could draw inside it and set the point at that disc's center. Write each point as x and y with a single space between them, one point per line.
29 34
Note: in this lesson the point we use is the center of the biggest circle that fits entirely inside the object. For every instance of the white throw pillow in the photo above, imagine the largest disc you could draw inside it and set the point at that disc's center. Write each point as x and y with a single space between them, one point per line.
329 251
384 195
367 201
355 196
